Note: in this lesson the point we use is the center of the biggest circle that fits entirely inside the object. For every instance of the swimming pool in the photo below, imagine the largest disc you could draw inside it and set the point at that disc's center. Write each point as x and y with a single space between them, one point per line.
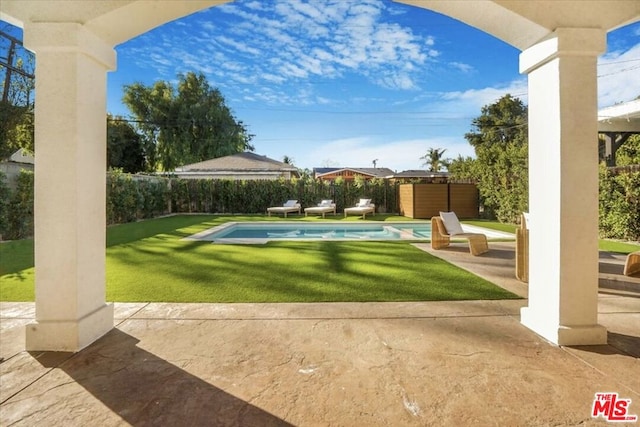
255 232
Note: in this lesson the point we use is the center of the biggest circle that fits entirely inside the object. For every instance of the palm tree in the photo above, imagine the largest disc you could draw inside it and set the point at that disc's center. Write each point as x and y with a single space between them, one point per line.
433 159
288 160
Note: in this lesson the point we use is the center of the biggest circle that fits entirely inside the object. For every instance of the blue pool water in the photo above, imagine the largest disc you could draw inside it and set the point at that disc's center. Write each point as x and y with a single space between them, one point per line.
247 232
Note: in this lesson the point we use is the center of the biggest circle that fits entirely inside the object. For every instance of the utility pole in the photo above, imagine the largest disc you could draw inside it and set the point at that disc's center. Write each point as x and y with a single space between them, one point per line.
8 64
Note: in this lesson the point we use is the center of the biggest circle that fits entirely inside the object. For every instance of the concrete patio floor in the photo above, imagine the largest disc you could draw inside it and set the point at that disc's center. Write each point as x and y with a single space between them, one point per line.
335 364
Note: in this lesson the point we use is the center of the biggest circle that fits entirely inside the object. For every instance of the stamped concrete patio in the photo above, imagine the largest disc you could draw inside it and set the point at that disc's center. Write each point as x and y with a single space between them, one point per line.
338 364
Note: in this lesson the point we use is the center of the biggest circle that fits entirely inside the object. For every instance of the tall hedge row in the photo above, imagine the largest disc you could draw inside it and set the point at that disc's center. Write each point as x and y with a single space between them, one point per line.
255 196
130 198
619 209
16 207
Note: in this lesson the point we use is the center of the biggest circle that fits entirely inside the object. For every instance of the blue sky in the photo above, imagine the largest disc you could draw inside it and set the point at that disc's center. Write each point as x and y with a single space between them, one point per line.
343 83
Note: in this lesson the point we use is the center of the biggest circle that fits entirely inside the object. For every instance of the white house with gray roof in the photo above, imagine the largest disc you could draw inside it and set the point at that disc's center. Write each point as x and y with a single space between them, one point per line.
241 166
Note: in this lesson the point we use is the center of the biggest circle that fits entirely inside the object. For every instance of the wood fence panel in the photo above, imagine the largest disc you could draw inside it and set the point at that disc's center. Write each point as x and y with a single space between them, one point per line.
424 201
429 200
405 200
463 200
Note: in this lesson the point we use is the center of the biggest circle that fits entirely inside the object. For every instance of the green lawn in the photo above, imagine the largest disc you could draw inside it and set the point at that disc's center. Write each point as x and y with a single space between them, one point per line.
147 261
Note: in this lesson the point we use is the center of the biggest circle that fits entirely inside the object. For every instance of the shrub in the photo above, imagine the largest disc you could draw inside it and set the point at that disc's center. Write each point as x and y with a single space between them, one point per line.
20 210
5 195
619 210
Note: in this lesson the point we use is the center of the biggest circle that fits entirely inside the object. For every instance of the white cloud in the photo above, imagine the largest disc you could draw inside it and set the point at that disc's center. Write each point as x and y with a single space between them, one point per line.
619 76
465 68
323 38
396 155
471 101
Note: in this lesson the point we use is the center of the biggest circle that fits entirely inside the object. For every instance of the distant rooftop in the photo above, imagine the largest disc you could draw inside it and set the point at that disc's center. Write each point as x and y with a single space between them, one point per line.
418 173
238 162
376 172
624 117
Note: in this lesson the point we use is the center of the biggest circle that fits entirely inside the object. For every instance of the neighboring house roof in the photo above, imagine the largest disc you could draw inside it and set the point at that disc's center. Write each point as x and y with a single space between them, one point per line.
374 172
21 156
241 162
624 117
418 173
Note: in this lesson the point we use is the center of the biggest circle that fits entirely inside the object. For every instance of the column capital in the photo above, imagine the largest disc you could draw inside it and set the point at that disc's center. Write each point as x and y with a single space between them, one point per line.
68 37
564 42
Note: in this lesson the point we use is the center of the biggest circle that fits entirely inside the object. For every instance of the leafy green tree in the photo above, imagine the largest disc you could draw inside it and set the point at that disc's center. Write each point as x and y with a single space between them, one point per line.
185 124
17 102
499 139
629 152
433 159
463 168
124 146
619 204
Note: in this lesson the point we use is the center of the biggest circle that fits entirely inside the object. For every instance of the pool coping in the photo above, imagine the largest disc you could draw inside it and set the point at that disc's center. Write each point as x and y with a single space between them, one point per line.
200 236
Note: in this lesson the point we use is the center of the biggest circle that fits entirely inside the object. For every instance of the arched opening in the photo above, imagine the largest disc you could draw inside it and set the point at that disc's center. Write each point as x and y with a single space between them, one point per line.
74 50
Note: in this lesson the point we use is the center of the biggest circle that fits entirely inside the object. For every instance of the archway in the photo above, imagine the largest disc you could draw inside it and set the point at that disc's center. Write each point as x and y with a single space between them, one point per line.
560 44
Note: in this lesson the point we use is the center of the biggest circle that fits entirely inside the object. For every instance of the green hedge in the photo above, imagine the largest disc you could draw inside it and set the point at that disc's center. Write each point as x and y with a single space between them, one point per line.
5 194
16 207
619 208
130 198
255 196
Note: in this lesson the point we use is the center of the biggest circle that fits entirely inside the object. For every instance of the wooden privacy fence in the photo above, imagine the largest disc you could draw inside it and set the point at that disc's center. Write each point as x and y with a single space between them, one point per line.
427 200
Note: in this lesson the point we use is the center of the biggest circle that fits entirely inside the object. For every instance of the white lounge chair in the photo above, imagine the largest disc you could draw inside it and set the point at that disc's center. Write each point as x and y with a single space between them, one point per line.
288 207
362 208
324 207
447 226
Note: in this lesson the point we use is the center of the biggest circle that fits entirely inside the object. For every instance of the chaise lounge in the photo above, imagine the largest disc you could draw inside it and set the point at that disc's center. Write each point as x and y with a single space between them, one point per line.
362 208
288 207
324 207
447 226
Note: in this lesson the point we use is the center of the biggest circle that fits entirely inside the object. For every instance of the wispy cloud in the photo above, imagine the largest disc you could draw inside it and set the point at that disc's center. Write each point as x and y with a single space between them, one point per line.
619 76
396 155
286 40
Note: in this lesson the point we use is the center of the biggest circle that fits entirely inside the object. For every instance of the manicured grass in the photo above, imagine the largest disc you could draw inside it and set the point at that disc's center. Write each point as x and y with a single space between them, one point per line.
619 247
148 261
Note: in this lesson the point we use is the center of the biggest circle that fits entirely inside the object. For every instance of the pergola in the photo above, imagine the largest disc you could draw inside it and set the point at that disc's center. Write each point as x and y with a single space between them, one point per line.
74 45
617 123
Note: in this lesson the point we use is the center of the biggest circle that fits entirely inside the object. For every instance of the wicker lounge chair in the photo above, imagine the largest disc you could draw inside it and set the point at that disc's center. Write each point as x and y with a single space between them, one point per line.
362 208
288 207
522 249
632 264
446 226
324 207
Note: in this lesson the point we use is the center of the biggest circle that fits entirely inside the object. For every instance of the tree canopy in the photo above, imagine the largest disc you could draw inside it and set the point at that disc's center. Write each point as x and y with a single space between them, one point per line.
124 146
499 139
184 124
17 101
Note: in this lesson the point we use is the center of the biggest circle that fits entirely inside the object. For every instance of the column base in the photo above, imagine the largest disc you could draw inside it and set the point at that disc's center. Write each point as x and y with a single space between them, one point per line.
69 335
561 334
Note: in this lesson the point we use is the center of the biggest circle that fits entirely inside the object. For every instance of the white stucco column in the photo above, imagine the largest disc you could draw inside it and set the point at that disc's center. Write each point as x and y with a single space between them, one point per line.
563 187
70 148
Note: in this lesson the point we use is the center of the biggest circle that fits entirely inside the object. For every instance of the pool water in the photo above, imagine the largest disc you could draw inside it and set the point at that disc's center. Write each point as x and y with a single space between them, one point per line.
246 232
